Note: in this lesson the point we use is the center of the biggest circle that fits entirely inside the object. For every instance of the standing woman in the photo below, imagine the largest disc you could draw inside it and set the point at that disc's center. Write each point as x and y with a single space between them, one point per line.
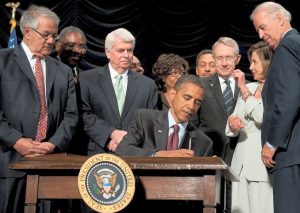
253 193
167 69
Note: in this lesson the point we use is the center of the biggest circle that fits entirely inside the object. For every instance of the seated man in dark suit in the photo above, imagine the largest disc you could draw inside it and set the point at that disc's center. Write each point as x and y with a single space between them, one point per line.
152 130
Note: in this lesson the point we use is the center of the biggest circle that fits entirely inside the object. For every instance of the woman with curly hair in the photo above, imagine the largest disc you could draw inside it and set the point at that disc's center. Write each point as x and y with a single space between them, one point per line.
167 69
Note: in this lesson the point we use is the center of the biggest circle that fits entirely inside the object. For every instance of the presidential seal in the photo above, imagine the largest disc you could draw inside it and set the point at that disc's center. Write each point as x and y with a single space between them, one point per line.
106 183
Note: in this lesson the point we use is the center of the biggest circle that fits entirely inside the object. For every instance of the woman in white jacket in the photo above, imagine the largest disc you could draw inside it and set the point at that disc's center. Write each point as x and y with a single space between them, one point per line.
253 193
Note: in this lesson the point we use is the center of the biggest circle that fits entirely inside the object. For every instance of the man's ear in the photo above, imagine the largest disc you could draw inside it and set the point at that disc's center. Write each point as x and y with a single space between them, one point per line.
197 71
173 92
238 58
58 46
107 53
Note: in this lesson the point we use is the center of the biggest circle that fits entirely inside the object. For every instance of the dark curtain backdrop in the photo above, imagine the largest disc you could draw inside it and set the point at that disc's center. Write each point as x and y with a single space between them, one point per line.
184 27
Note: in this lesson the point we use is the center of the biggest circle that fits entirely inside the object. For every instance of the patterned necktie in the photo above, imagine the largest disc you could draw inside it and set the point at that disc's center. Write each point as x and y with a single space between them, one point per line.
228 97
173 139
75 74
118 86
43 116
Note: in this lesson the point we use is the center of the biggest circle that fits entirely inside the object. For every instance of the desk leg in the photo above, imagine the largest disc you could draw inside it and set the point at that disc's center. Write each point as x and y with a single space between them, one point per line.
209 196
31 193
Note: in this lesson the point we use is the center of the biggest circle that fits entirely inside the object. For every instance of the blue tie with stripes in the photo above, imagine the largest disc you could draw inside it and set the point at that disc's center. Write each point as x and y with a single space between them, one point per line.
228 97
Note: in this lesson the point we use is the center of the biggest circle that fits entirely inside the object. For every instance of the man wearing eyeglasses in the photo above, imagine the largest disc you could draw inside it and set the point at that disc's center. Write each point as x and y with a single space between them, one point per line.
38 112
70 48
219 101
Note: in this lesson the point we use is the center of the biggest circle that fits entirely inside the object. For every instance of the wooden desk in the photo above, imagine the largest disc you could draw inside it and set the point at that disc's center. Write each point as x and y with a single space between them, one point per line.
54 176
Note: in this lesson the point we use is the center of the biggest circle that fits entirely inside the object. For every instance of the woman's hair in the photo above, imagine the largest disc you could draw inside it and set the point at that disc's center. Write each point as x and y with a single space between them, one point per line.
163 67
264 53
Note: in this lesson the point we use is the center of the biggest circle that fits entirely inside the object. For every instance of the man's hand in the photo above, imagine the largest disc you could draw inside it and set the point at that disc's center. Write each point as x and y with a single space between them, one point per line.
235 123
175 153
47 146
112 145
26 146
267 154
117 135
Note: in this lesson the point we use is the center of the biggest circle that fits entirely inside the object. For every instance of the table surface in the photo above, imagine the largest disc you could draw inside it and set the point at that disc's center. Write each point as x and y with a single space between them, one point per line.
70 161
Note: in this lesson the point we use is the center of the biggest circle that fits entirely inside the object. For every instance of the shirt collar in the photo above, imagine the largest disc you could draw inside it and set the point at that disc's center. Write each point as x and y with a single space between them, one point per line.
27 51
222 80
172 121
114 73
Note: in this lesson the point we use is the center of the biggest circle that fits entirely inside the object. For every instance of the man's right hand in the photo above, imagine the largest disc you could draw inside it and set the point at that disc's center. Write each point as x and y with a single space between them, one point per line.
26 146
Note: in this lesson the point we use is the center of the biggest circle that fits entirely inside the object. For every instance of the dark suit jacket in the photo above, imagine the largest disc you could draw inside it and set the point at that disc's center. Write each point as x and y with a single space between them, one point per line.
79 143
149 134
213 117
100 107
281 99
19 104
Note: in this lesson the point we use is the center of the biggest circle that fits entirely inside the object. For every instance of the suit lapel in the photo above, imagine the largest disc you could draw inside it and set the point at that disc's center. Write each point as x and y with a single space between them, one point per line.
189 135
215 86
236 95
161 131
106 84
51 69
22 61
132 88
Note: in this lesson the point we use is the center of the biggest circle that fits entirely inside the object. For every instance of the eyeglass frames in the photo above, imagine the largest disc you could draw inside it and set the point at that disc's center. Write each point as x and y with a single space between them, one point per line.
45 35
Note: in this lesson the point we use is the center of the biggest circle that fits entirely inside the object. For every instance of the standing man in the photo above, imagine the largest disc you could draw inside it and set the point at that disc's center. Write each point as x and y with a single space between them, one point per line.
38 112
111 94
205 64
214 112
70 49
221 92
281 99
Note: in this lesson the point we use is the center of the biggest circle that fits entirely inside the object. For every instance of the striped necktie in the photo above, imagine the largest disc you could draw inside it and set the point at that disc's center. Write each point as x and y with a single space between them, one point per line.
228 97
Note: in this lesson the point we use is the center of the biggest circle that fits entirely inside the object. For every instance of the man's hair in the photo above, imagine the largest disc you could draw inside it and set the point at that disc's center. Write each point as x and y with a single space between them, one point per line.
70 29
227 42
189 78
202 52
121 33
30 17
272 9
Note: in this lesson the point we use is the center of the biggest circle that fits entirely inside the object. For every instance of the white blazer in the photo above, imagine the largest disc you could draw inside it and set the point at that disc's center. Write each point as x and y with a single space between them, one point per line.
247 154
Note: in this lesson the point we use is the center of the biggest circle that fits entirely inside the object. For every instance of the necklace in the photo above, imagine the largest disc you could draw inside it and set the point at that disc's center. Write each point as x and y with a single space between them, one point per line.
260 86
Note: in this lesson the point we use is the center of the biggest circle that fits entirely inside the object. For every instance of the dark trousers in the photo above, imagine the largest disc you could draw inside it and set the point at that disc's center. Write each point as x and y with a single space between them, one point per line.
286 189
12 195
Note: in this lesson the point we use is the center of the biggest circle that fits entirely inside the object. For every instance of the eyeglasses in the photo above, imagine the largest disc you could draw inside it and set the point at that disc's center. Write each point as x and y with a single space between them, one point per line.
229 58
72 46
177 72
45 35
